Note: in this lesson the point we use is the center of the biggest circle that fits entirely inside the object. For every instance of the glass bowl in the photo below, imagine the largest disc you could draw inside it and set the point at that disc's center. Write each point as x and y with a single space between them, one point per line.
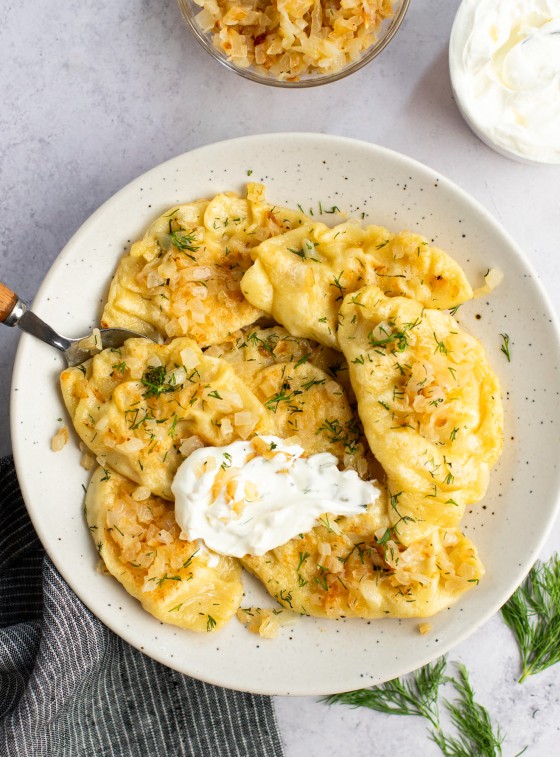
385 33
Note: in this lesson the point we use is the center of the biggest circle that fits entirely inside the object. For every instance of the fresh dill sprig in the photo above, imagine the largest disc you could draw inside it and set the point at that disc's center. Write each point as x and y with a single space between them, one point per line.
533 614
419 695
476 734
413 696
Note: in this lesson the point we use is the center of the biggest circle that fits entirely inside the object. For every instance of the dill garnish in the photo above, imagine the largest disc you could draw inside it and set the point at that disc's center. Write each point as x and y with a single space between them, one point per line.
284 395
348 434
533 614
302 558
157 382
312 382
337 285
300 253
302 360
475 731
418 695
398 336
183 241
505 347
268 344
226 462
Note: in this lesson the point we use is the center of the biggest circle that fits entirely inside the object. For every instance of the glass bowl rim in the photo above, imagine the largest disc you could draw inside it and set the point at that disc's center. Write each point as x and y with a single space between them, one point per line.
186 8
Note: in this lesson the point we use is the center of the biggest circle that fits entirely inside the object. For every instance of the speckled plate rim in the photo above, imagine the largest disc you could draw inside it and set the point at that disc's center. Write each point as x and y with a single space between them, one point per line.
313 657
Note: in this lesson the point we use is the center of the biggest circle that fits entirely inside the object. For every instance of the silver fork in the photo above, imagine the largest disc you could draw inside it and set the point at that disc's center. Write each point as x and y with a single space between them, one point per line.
14 312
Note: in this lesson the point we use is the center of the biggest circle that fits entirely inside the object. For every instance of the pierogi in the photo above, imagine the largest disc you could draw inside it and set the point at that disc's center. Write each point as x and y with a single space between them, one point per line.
137 537
295 380
301 277
135 407
257 347
430 405
352 567
182 278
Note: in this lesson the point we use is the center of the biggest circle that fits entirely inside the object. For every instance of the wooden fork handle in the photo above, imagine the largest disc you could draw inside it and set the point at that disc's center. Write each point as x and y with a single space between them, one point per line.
8 300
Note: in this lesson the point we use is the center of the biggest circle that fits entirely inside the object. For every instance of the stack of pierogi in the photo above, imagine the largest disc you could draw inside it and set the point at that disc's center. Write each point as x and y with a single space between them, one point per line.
266 321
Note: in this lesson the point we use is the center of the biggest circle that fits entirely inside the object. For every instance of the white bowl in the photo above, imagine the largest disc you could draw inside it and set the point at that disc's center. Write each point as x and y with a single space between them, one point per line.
509 120
315 171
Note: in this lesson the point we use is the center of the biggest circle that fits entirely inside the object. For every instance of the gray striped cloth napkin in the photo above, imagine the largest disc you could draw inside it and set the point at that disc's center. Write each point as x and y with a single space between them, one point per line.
70 688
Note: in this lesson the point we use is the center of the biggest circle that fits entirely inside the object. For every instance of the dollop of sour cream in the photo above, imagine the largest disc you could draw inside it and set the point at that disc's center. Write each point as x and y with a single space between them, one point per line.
249 497
504 60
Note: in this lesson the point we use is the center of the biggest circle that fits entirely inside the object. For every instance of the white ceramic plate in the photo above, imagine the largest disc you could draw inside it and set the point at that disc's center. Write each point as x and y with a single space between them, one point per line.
509 526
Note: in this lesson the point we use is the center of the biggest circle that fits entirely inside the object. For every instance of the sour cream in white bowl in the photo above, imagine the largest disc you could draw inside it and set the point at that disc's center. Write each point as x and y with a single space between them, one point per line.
504 59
